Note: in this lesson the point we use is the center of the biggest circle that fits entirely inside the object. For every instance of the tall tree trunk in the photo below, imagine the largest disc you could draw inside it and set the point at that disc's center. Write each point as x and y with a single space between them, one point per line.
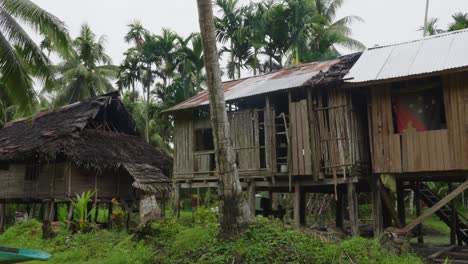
234 210
148 85
133 91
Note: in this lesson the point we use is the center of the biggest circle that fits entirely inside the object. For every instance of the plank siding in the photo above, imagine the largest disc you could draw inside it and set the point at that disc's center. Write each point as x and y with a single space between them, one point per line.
435 150
300 138
183 146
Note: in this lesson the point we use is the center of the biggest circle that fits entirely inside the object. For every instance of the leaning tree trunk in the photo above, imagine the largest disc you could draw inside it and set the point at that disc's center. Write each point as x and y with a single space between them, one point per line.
234 210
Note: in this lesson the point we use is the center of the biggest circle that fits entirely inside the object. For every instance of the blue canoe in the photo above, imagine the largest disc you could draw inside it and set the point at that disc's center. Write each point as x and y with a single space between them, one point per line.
16 255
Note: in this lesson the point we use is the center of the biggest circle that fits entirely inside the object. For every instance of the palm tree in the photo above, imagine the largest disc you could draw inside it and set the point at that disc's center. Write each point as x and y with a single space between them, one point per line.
19 53
228 29
300 15
460 21
136 34
431 27
233 216
330 31
88 72
130 71
191 65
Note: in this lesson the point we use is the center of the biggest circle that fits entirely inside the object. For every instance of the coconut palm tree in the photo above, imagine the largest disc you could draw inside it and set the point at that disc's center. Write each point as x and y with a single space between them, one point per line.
431 27
234 215
88 72
136 34
20 57
330 31
460 21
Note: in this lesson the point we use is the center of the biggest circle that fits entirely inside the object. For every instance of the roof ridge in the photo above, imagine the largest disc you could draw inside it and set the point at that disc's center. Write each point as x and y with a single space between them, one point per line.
445 34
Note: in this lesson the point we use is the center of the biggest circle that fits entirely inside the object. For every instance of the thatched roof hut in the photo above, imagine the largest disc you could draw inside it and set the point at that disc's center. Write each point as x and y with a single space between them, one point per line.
97 134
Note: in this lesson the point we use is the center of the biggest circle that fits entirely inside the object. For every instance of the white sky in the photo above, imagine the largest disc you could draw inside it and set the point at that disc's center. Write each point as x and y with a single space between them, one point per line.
385 21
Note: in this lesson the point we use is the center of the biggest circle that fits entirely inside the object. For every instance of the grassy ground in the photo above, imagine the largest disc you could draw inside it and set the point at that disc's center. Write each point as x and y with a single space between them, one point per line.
170 241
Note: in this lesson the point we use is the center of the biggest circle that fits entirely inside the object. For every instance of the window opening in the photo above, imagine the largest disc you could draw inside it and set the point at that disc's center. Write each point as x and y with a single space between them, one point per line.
204 139
418 106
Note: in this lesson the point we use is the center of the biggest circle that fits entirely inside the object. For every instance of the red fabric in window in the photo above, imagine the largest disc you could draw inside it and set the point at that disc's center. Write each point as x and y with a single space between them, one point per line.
407 119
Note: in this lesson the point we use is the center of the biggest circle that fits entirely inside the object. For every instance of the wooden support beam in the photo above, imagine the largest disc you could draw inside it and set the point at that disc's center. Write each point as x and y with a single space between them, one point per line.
401 202
339 209
302 209
2 217
251 197
390 205
376 187
297 206
32 211
177 200
353 208
70 212
417 200
437 206
52 211
109 214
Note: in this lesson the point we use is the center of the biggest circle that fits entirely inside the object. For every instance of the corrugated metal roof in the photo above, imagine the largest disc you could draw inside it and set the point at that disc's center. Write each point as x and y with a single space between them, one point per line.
431 54
280 80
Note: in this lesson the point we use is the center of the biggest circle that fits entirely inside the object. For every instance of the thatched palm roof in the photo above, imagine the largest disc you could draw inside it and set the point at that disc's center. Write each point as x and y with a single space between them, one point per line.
98 134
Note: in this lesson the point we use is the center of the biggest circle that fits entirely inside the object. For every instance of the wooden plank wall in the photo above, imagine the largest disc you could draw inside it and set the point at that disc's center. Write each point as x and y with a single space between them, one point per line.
299 134
386 145
456 109
342 132
270 130
245 139
435 150
183 146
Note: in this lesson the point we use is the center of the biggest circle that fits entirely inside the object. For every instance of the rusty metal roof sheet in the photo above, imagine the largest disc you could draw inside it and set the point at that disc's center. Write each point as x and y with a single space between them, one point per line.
261 84
430 54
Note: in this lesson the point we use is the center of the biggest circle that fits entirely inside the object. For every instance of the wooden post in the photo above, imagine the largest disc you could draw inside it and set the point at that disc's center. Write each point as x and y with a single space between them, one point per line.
302 210
96 214
417 200
297 204
70 212
52 211
251 197
401 202
453 218
109 213
2 217
339 209
377 205
32 211
353 208
177 200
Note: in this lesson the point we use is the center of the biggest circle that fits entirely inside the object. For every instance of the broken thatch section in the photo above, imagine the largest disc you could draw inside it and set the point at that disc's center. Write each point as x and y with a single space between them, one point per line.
97 134
334 76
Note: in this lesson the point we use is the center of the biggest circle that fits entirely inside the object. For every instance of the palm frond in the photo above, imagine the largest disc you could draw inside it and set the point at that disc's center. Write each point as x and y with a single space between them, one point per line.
41 21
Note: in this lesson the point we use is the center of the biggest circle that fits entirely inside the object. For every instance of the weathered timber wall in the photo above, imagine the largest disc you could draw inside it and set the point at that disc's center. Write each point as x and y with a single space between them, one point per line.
340 128
61 181
435 150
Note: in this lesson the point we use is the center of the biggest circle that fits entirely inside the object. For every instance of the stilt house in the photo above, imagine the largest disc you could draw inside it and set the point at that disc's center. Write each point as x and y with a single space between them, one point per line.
417 94
293 129
89 145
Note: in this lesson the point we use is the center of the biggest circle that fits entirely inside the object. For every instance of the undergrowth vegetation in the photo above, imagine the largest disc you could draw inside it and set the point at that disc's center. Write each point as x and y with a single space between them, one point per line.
169 241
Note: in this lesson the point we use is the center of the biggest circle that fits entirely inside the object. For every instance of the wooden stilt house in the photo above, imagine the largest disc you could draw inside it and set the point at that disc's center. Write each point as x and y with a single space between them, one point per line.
296 130
417 94
89 145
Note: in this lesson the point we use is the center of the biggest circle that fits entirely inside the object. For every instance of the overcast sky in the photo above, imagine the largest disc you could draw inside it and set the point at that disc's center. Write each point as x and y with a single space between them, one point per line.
385 21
